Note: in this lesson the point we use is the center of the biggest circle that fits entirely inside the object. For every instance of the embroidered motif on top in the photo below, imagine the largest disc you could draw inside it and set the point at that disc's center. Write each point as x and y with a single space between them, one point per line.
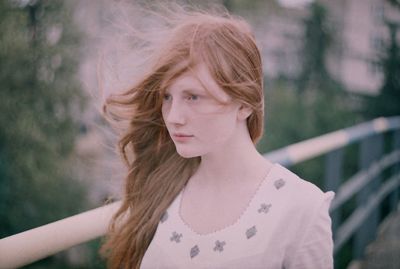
219 245
164 216
279 183
251 232
194 251
176 237
264 208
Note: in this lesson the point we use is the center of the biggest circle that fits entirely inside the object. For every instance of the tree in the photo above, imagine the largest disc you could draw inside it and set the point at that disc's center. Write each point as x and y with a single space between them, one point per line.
395 3
40 101
317 40
387 102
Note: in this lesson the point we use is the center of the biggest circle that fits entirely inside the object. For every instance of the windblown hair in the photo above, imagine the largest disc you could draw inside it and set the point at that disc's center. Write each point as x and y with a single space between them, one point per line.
156 173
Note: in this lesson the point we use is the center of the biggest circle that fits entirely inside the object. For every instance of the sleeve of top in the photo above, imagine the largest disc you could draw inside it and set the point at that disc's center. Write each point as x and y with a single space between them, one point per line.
316 246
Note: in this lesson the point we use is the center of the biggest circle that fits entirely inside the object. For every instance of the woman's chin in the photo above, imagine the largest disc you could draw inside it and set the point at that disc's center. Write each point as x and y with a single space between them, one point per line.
187 154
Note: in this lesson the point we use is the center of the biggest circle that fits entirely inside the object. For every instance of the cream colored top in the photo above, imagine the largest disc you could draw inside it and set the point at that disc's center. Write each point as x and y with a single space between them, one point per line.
286 225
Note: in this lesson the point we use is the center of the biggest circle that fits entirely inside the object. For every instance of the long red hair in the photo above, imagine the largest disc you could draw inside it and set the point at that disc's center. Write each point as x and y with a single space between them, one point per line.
156 173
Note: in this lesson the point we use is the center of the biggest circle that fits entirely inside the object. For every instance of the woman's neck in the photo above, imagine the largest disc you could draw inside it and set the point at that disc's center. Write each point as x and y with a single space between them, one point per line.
230 165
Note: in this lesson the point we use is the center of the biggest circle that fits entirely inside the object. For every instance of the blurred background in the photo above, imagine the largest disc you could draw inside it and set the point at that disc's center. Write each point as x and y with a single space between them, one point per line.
328 65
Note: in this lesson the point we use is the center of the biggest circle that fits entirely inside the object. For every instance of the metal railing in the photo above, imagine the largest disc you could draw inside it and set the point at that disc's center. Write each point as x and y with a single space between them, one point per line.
366 185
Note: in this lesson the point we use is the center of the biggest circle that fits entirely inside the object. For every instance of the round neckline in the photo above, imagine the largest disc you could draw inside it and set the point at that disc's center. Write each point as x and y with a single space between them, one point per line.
237 220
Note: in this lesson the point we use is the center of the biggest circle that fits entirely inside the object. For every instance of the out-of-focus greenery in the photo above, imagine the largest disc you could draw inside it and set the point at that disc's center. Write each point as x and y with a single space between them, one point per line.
387 103
253 5
40 104
311 104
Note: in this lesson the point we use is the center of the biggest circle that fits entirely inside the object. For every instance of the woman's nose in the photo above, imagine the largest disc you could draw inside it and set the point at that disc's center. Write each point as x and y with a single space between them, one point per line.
176 113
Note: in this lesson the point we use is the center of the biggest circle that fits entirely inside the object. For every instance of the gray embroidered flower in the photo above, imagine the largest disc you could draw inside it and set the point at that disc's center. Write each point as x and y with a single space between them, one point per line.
176 237
279 183
251 232
164 216
264 208
219 245
194 251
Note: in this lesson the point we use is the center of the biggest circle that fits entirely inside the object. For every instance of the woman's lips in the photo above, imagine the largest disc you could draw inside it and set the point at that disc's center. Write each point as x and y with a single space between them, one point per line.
182 137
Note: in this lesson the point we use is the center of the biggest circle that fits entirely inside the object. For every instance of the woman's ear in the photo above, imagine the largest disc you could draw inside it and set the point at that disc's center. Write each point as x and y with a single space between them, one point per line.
244 112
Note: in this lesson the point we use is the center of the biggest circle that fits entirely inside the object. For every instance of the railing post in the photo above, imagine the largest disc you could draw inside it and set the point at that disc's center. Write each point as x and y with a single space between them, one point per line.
332 180
395 196
371 149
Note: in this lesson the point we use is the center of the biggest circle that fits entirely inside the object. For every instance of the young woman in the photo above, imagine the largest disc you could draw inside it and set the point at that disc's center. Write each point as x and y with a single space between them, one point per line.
198 194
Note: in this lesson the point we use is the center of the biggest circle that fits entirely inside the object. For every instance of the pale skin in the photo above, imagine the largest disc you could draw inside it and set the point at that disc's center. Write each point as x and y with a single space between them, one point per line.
231 168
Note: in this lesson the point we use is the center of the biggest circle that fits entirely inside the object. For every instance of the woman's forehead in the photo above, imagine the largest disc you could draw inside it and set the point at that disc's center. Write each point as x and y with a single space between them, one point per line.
199 78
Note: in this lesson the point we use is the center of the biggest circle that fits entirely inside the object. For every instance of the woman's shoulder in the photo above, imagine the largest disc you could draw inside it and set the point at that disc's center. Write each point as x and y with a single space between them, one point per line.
299 191
305 220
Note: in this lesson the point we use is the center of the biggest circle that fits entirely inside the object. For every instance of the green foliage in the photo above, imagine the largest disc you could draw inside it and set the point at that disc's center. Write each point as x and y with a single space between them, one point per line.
40 102
252 9
316 105
316 44
292 117
387 102
395 3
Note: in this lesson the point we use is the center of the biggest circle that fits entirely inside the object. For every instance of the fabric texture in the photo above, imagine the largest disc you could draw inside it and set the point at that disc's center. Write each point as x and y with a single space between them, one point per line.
286 225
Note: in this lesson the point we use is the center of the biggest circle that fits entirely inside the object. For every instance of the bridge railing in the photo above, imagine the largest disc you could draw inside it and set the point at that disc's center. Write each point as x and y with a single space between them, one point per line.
379 155
367 185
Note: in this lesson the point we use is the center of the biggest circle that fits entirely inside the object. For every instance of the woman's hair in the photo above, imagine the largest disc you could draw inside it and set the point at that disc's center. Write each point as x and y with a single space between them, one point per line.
156 173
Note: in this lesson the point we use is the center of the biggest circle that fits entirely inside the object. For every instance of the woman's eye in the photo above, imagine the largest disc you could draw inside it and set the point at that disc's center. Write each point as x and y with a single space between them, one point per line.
193 97
167 97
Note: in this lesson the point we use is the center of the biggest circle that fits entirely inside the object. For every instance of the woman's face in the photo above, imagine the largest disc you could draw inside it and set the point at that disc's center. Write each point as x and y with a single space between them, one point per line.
197 122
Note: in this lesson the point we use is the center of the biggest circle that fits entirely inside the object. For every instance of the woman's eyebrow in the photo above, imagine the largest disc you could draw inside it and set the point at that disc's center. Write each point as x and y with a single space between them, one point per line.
193 90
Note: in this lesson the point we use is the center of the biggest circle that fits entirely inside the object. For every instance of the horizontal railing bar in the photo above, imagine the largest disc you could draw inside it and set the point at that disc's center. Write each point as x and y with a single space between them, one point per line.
317 146
362 178
41 242
351 224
